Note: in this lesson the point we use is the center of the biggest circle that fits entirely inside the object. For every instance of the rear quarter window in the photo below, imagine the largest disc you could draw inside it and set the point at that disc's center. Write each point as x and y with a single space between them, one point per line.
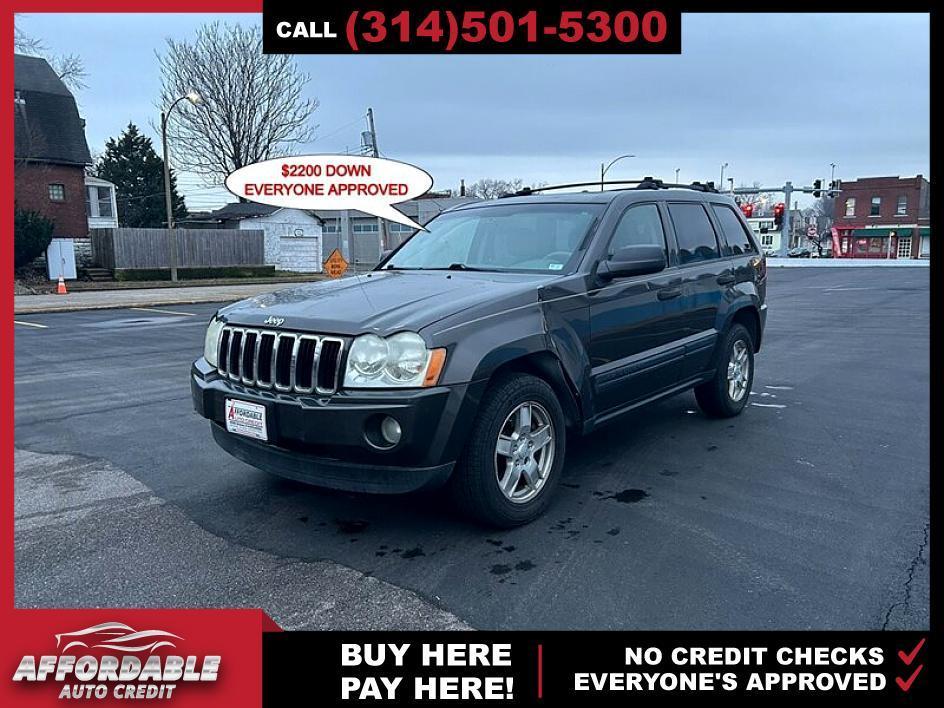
737 240
693 231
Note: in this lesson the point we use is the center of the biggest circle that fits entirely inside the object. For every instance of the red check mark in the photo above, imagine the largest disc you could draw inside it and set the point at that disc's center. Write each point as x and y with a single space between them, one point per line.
908 658
905 685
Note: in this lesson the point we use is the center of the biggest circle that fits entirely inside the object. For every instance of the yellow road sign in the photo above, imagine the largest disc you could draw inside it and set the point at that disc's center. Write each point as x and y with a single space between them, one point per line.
335 266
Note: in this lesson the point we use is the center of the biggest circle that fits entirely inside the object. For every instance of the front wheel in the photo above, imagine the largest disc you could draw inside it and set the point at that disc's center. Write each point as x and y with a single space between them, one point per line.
726 394
512 462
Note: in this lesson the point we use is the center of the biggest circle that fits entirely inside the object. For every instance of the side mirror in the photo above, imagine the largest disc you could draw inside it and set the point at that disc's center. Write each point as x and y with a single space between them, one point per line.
633 260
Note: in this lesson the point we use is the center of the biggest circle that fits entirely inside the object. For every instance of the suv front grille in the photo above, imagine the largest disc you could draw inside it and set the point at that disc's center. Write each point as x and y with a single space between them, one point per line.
303 363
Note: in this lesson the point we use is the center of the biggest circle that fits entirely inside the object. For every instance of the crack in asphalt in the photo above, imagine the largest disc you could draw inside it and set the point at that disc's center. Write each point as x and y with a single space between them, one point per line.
911 571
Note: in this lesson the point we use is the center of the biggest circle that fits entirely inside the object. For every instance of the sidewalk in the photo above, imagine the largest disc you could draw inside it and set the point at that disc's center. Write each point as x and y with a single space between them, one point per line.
105 299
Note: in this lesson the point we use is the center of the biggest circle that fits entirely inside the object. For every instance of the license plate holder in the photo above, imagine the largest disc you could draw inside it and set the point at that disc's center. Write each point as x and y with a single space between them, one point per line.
246 419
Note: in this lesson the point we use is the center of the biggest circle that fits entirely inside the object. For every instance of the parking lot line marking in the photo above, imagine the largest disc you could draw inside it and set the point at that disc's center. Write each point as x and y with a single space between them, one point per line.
30 324
164 312
768 405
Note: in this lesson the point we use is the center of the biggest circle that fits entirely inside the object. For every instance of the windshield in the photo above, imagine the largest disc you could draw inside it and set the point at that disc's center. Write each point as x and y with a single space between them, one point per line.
513 237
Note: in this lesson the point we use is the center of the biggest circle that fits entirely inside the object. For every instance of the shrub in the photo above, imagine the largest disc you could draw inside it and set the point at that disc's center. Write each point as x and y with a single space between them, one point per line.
32 233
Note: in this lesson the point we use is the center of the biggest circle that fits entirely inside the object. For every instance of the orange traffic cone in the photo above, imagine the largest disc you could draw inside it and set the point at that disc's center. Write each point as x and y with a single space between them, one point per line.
61 287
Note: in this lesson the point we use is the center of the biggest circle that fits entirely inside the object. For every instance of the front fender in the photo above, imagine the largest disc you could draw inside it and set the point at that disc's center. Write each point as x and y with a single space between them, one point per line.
477 347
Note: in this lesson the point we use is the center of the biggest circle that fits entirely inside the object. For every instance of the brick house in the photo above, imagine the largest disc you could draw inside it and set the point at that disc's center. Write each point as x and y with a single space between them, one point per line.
50 153
883 217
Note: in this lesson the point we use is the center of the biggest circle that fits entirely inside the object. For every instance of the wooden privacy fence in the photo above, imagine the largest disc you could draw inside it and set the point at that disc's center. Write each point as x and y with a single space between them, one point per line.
120 248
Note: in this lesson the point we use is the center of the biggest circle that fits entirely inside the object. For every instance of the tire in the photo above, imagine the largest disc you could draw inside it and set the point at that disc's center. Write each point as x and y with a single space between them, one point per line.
718 398
476 483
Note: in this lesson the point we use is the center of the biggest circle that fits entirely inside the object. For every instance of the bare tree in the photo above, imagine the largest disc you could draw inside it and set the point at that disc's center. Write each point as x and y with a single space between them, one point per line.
27 44
493 188
68 67
252 105
762 202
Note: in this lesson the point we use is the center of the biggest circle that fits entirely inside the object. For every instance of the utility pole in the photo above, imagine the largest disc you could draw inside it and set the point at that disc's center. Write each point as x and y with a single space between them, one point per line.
785 226
384 238
677 170
721 181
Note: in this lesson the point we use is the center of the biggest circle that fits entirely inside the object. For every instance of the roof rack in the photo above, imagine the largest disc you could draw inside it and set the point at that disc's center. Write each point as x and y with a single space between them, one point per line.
644 183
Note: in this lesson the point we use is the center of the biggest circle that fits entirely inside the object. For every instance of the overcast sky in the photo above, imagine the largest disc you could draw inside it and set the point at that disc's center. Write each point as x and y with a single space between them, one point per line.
776 96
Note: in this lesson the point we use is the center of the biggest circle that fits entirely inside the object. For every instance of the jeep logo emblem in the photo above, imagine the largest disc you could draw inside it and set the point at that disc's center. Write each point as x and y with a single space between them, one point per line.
274 321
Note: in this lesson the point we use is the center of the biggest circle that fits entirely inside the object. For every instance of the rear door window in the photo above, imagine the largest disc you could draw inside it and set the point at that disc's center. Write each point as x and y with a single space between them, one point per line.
693 231
734 232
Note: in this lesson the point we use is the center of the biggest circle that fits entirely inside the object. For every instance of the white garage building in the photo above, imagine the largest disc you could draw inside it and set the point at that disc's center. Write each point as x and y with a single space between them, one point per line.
293 237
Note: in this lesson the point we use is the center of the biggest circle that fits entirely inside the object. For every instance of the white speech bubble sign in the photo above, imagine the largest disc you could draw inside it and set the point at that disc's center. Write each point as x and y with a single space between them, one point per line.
334 182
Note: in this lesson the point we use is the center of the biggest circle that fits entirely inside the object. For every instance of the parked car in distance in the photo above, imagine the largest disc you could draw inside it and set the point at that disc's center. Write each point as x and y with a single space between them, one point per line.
800 252
475 351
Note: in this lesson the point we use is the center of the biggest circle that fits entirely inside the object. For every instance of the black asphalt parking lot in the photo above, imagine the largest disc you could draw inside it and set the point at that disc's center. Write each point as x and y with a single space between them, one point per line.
811 510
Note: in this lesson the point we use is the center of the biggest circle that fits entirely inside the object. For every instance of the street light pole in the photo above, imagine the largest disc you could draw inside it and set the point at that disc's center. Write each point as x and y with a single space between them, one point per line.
721 181
606 168
677 170
195 99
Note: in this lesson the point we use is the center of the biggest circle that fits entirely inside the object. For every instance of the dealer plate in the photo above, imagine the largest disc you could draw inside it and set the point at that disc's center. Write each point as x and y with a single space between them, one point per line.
244 418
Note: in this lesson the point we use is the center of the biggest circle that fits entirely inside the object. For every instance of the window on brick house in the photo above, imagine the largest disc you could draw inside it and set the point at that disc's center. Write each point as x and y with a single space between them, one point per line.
875 208
57 192
902 208
850 206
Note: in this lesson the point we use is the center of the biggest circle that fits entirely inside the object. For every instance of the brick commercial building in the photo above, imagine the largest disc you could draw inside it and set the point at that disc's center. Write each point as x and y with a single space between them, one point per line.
883 217
50 154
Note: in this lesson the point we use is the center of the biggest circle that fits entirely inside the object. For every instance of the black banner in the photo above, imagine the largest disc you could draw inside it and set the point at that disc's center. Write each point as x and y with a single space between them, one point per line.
596 668
449 26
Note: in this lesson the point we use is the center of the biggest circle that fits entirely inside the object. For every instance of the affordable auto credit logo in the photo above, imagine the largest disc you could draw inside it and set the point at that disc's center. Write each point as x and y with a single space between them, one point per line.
115 660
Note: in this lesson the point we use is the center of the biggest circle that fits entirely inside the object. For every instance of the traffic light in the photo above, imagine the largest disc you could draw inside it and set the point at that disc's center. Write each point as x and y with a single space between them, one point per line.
778 213
817 185
748 210
834 187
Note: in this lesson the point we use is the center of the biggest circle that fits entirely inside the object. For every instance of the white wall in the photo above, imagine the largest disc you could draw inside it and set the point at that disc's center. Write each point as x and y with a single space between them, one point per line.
283 224
302 255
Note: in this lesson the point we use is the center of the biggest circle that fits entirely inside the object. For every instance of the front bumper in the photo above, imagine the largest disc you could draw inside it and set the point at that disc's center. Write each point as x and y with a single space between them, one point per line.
322 440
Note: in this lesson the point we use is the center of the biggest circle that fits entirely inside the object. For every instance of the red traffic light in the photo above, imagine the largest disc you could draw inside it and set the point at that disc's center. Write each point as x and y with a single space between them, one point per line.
748 210
778 213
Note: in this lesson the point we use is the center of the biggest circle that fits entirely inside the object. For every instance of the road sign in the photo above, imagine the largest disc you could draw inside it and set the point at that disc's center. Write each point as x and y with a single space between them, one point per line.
335 266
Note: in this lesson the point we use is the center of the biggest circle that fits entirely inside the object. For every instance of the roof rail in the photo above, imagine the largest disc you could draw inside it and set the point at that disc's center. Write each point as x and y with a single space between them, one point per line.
644 183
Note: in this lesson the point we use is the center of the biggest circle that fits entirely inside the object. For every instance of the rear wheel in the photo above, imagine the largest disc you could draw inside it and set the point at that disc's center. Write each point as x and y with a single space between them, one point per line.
726 394
512 462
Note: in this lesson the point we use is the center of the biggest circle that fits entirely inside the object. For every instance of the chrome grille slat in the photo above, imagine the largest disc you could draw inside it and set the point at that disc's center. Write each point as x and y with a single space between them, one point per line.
235 353
244 349
255 359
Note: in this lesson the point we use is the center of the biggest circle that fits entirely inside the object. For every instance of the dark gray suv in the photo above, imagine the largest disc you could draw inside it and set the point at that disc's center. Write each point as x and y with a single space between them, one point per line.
473 351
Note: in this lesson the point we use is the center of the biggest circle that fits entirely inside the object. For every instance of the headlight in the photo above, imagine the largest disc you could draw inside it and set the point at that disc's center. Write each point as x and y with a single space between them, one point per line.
211 343
368 356
400 361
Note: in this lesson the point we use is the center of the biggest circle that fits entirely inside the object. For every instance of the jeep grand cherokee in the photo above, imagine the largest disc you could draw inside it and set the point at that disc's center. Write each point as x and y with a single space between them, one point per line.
474 350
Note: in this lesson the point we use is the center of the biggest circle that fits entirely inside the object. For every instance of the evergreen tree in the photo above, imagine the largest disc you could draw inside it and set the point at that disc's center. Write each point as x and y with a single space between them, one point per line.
136 170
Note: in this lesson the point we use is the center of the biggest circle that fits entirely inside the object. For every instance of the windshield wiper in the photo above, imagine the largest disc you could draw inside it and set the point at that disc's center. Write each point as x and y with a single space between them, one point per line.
461 266
451 266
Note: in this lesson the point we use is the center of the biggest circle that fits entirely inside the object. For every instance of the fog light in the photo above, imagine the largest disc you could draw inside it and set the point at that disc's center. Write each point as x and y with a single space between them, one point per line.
390 430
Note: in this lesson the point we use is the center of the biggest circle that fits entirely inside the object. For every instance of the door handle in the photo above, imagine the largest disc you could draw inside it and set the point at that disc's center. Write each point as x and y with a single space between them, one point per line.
726 279
669 293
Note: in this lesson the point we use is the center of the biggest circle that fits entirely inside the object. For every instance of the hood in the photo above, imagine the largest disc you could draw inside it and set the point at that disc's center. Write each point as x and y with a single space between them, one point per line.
383 302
